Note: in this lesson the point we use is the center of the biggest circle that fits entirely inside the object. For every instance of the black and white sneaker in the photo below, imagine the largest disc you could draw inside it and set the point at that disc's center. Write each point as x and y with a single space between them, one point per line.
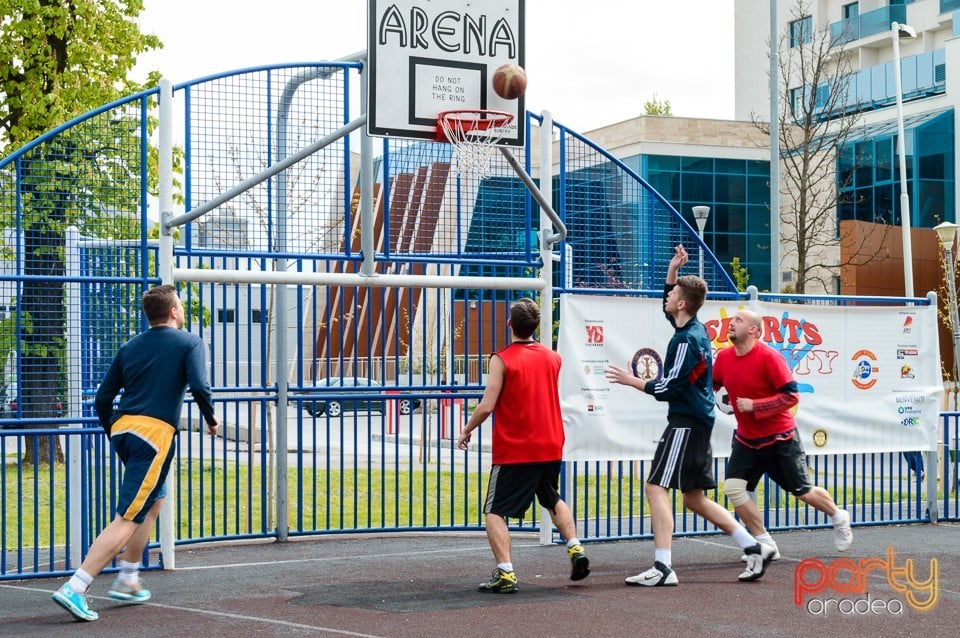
657 576
776 551
757 558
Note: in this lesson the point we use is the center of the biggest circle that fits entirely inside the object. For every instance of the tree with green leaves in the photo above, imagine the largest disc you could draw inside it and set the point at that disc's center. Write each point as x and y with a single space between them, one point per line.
740 275
656 106
57 61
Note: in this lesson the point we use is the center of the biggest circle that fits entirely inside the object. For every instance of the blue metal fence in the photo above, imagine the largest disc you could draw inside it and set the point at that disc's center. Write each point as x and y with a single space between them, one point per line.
390 465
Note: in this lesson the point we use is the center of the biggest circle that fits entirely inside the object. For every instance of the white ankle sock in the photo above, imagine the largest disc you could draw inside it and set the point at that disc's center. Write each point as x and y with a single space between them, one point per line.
80 581
664 556
742 537
129 572
507 567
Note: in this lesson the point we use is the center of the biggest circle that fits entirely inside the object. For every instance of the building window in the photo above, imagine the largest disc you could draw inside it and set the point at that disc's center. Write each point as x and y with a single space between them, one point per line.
868 179
801 31
852 11
225 315
796 102
738 194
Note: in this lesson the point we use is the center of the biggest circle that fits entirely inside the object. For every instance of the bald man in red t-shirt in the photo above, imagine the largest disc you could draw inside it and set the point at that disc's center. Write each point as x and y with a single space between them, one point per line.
762 392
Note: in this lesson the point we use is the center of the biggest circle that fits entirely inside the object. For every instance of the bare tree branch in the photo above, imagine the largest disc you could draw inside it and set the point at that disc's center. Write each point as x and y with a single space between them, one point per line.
818 118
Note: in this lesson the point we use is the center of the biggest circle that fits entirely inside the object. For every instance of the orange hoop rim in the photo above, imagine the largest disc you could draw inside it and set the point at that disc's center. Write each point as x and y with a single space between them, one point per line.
465 121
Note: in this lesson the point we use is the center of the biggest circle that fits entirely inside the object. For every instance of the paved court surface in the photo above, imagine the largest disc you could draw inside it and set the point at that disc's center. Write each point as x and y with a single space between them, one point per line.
425 585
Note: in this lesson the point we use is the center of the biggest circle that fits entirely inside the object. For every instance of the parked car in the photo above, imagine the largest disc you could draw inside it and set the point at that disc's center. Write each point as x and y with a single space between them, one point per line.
351 386
9 405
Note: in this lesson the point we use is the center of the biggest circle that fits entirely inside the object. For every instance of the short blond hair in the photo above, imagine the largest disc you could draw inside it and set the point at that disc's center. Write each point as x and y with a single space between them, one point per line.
693 292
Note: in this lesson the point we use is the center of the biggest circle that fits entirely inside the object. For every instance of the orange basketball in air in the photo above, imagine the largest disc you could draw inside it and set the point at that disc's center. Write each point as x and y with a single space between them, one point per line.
510 81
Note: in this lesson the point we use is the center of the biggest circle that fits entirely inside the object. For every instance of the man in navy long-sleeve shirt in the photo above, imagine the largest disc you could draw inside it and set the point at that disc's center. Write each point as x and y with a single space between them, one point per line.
683 459
153 370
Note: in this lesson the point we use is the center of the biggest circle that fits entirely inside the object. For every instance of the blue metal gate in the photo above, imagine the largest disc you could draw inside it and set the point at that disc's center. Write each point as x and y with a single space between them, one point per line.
380 379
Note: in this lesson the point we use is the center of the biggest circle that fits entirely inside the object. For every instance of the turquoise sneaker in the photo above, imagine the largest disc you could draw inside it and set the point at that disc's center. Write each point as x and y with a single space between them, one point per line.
134 593
75 603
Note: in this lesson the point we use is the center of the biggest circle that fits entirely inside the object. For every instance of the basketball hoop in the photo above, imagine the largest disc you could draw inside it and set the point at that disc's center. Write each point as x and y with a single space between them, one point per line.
474 134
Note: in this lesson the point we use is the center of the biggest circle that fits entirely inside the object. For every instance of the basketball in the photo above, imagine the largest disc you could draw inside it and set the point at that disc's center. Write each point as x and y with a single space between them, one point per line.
723 401
510 81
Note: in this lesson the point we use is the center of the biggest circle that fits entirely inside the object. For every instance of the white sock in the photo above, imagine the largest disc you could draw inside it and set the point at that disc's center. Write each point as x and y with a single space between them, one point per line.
129 572
80 581
505 567
573 542
764 538
664 556
742 537
835 516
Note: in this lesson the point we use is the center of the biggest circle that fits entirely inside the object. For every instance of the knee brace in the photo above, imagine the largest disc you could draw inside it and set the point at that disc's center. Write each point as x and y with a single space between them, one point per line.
736 490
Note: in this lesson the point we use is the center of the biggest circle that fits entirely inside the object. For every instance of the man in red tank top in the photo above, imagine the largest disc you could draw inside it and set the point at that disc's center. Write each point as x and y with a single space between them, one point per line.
523 395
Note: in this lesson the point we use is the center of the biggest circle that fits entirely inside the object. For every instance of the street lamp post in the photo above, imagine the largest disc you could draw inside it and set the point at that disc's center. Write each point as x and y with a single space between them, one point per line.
700 213
898 31
947 233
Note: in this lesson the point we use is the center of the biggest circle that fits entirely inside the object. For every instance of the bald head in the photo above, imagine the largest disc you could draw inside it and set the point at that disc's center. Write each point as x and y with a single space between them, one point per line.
745 329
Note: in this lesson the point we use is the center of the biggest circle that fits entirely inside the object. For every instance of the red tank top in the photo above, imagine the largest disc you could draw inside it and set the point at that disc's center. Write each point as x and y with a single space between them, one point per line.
527 425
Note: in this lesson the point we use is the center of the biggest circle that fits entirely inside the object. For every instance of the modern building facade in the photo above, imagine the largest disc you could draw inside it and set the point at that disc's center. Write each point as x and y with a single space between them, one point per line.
723 165
867 164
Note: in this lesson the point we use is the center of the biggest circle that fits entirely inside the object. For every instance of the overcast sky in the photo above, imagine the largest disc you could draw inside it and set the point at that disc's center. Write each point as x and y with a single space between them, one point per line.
589 63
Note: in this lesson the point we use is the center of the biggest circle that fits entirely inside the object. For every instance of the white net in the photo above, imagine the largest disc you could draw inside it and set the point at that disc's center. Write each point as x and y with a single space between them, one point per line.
474 135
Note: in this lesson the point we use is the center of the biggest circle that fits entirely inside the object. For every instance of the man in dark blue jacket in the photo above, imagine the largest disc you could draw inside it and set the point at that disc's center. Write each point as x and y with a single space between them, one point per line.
153 370
684 459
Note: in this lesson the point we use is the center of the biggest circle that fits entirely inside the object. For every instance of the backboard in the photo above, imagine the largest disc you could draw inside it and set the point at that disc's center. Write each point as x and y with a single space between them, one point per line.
429 56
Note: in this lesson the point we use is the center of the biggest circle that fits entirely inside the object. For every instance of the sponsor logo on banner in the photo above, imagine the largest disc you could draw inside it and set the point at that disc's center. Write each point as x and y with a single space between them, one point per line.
908 325
865 370
595 367
594 334
903 353
647 365
820 438
910 422
910 397
906 372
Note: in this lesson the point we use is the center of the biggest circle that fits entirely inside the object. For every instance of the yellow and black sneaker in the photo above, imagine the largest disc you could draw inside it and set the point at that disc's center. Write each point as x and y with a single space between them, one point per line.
579 561
501 583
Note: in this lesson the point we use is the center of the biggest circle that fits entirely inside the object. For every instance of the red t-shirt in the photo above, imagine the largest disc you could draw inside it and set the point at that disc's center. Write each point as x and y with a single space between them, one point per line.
527 425
759 374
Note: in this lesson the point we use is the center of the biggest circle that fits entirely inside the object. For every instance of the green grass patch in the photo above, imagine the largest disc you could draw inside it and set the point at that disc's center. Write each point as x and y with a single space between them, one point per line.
229 500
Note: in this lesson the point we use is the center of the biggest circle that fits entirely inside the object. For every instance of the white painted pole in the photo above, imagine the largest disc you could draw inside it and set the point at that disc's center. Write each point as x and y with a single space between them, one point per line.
165 266
74 393
775 282
904 196
546 272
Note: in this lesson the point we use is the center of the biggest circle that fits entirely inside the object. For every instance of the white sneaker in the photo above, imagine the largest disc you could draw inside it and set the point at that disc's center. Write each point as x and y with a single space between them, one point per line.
657 576
842 534
757 558
776 551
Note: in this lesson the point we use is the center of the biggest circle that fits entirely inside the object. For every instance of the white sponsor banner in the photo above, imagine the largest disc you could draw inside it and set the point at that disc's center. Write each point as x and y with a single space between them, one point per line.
869 377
